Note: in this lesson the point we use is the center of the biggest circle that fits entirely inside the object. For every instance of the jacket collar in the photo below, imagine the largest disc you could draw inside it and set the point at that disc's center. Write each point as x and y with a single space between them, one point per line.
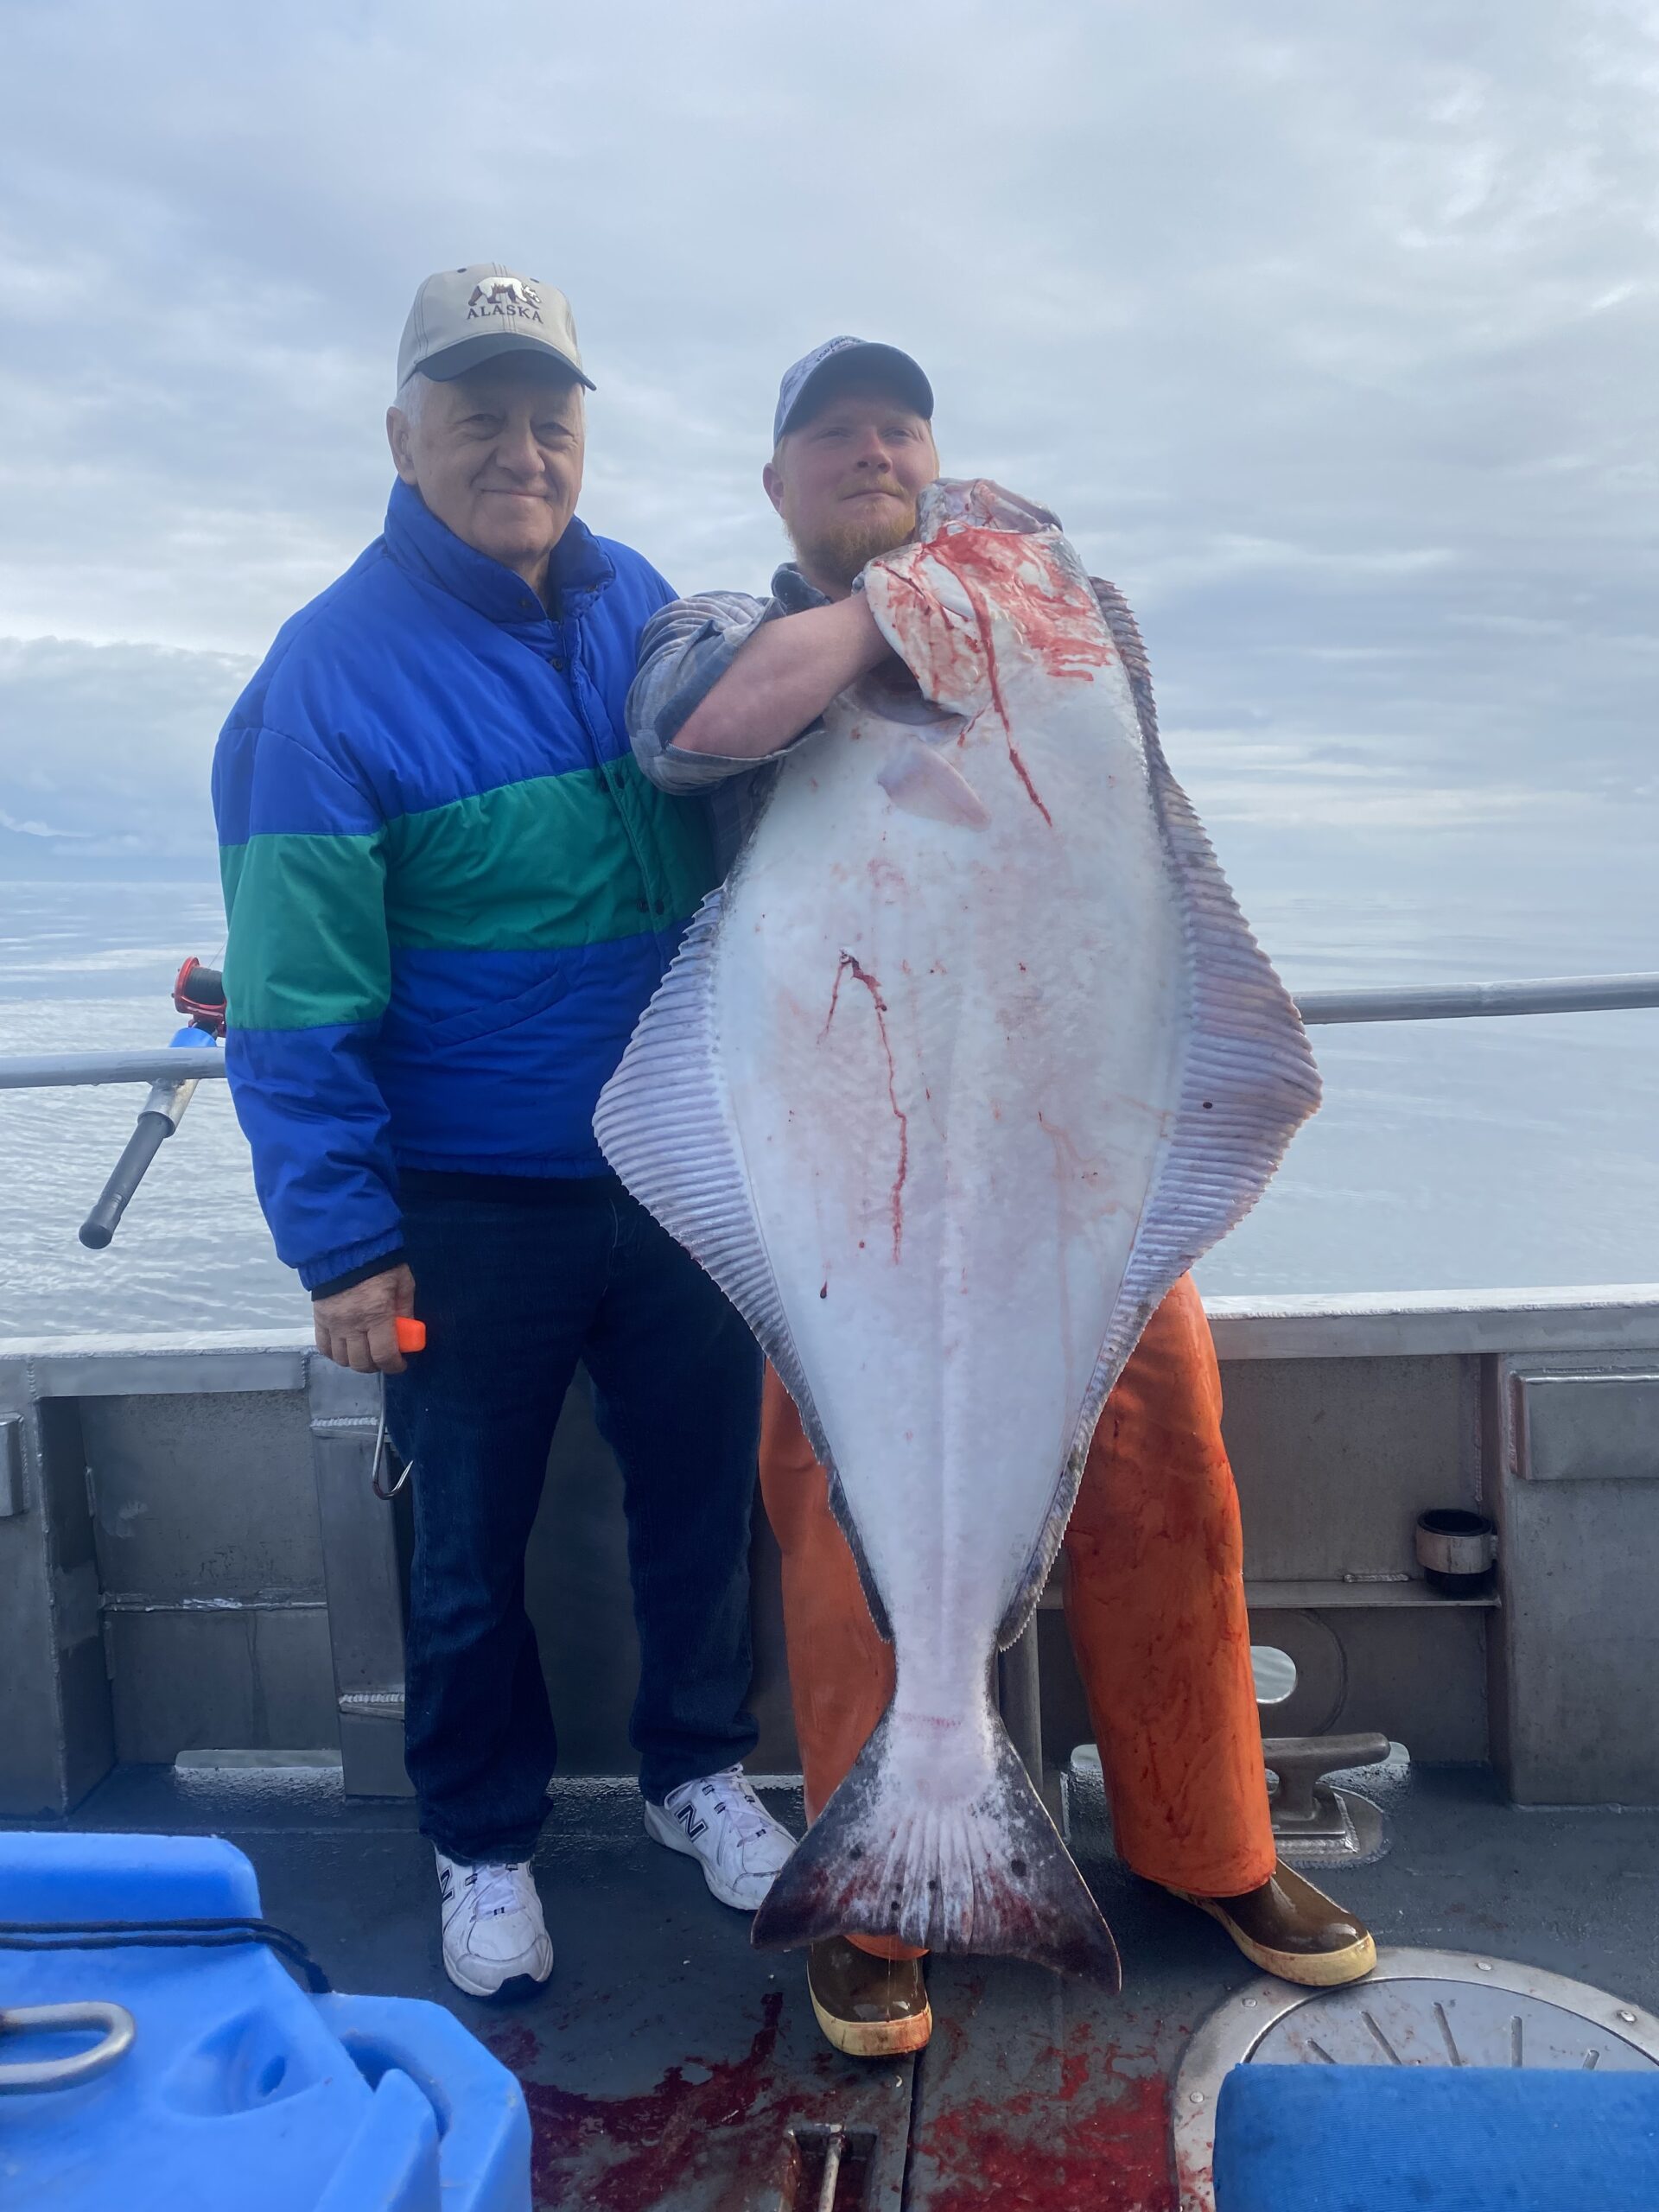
793 593
419 542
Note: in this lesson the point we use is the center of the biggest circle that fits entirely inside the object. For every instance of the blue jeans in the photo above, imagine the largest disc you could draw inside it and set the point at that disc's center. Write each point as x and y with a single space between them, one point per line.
514 1294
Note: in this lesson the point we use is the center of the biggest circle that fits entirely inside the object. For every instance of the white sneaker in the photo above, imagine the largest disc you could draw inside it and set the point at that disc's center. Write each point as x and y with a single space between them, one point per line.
721 1822
493 1932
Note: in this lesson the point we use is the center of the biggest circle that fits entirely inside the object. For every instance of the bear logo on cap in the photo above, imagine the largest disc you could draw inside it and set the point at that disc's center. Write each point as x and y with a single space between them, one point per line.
504 296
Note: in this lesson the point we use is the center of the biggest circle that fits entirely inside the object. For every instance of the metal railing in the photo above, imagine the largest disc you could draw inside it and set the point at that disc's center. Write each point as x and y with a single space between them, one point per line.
1318 1009
1469 1002
151 1064
173 1071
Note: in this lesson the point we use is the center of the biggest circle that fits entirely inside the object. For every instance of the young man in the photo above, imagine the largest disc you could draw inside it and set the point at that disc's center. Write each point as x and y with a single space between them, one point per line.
1155 1588
450 894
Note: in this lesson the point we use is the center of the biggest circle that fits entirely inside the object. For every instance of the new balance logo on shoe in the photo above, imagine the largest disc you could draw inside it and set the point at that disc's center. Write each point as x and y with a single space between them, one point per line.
718 1820
495 1940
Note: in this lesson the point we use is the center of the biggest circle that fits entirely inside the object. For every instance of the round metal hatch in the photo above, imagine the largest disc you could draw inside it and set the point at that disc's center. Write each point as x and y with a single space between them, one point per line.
1416 2008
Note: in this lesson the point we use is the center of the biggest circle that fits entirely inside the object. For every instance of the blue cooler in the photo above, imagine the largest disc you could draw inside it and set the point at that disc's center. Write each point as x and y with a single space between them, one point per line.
237 2091
1436 2138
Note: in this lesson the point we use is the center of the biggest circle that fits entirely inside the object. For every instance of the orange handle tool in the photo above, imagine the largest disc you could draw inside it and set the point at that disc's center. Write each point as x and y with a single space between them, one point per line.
411 1335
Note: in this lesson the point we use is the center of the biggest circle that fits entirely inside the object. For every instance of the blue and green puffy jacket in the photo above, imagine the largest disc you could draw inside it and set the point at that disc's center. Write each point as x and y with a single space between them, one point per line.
450 891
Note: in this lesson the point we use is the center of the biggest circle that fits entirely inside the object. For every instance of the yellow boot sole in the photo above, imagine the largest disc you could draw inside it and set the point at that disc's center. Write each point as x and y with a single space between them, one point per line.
874 2039
1309 1969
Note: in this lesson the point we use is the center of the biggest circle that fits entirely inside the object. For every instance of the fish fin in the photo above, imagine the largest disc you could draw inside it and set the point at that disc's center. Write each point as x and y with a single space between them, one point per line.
1040 1565
1248 1085
976 503
843 1514
1249 1082
988 1874
922 781
664 1123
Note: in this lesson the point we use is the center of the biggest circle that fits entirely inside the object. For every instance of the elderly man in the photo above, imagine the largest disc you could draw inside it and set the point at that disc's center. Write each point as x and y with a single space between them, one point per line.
450 894
1154 1588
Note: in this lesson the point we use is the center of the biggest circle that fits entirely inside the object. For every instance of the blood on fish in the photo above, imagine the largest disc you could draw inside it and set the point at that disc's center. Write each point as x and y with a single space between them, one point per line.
850 963
835 997
1020 771
1054 646
1048 622
954 647
1069 1162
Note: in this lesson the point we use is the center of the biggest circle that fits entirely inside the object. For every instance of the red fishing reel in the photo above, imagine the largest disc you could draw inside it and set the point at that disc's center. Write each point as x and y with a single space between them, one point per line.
198 993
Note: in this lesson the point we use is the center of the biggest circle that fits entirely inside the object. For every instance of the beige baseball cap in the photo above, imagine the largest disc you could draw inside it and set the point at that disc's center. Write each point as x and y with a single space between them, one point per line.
463 316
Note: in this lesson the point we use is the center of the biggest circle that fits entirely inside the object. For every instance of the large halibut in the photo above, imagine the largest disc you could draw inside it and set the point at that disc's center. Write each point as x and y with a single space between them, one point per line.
970 1059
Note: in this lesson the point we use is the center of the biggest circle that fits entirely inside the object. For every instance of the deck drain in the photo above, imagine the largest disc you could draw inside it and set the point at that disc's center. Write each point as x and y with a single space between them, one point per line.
1418 2008
828 2168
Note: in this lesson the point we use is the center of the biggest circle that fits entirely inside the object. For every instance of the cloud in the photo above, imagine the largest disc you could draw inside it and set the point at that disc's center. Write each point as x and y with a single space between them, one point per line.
1327 330
105 749
43 830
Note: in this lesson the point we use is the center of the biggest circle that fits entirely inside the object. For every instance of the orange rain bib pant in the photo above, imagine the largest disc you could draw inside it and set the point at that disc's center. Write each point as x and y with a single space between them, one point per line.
1155 1602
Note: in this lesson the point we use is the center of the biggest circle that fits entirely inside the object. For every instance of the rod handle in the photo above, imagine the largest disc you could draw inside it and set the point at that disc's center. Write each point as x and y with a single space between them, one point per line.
151 1134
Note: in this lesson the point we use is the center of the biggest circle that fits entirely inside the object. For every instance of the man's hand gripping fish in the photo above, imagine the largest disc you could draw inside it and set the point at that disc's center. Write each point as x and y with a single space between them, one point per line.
970 1059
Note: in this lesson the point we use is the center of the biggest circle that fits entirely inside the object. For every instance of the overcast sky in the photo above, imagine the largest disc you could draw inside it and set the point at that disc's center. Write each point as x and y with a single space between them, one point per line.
1329 331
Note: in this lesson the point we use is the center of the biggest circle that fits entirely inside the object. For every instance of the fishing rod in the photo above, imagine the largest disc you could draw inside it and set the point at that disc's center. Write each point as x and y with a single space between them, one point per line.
198 992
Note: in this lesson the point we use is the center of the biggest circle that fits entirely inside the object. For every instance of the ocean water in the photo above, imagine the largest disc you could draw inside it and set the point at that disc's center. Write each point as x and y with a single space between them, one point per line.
1449 1155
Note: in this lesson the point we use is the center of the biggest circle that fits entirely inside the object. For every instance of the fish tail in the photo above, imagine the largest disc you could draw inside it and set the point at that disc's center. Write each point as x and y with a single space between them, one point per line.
983 1871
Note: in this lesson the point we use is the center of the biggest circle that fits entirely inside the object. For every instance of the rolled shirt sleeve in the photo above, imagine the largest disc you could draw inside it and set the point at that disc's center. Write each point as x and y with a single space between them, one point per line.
685 652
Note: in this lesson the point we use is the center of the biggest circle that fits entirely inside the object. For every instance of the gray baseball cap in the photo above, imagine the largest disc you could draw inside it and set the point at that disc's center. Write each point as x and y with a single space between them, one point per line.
463 316
847 360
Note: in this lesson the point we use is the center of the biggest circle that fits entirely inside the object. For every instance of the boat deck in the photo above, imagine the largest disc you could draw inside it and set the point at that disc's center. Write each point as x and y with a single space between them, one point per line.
668 2064
192 1554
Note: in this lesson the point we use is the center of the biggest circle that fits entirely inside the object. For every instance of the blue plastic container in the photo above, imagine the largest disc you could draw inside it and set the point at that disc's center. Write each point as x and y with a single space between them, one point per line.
1436 2138
239 2092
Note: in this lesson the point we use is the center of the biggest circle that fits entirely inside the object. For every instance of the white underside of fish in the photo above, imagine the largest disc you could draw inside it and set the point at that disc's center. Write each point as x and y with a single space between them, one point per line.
970 1060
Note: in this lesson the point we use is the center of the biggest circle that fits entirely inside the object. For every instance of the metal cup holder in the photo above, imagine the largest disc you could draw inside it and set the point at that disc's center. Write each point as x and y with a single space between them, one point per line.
1456 1551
